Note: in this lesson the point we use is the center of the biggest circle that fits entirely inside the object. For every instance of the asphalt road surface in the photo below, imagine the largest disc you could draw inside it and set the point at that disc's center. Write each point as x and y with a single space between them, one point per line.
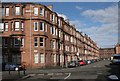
98 71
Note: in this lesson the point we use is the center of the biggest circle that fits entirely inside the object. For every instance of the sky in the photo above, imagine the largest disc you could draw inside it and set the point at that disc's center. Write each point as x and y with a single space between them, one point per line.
99 20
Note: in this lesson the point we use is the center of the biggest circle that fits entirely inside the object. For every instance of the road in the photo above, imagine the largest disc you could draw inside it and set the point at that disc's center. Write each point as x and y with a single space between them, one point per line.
98 71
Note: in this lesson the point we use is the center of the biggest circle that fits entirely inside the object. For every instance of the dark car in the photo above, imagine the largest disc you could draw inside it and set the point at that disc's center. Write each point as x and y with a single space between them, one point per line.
73 64
81 62
11 67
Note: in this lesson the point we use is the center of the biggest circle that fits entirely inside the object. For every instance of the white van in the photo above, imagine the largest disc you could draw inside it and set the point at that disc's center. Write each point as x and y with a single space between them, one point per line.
116 59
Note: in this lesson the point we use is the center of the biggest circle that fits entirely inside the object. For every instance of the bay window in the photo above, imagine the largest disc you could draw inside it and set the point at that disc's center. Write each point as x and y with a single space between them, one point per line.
35 26
7 12
42 59
36 42
41 26
17 26
35 11
41 41
17 10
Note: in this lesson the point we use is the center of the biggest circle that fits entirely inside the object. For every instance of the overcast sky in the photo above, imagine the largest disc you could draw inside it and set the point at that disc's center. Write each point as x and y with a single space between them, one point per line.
99 20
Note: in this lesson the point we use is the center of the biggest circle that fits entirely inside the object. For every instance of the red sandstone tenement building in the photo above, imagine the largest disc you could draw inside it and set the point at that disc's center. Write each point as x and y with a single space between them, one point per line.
34 35
106 52
117 48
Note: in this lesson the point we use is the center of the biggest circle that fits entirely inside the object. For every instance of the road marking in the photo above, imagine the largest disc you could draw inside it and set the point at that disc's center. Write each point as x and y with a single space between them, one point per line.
50 73
67 76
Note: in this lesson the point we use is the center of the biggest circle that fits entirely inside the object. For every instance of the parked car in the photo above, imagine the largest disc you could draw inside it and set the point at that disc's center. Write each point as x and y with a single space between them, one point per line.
73 64
116 59
88 61
81 62
11 67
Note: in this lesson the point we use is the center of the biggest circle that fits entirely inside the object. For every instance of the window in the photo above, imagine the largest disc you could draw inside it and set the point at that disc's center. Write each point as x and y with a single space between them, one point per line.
5 42
22 42
17 26
42 60
53 44
36 58
46 27
35 11
41 41
17 10
6 26
1 26
42 11
56 31
52 18
52 30
16 41
57 44
59 33
35 26
59 22
12 28
7 11
36 41
41 26
22 27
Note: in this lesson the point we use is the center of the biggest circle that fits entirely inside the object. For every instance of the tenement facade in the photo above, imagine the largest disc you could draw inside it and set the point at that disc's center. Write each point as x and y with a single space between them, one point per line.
35 36
106 53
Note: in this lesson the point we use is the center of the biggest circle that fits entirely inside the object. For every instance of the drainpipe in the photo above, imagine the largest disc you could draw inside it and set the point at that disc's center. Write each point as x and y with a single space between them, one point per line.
30 35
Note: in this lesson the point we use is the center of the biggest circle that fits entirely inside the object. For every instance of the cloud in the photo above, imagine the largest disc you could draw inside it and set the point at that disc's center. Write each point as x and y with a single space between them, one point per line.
106 33
107 15
78 24
79 8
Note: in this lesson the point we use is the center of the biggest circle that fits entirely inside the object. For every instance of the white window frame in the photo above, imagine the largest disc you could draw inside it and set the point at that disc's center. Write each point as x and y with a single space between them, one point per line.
52 17
36 42
59 22
42 11
12 24
1 26
42 58
35 25
35 11
42 24
22 26
53 44
46 25
22 42
17 26
36 58
42 42
6 26
16 44
7 11
17 10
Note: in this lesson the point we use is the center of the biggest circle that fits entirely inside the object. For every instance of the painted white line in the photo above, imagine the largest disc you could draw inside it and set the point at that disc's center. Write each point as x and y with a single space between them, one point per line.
67 76
50 73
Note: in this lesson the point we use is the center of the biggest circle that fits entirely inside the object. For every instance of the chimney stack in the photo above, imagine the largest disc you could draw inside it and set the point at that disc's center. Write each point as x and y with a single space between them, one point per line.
50 7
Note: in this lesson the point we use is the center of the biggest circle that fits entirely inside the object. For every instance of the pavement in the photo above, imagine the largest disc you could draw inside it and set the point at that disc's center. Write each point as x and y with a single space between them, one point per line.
17 75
